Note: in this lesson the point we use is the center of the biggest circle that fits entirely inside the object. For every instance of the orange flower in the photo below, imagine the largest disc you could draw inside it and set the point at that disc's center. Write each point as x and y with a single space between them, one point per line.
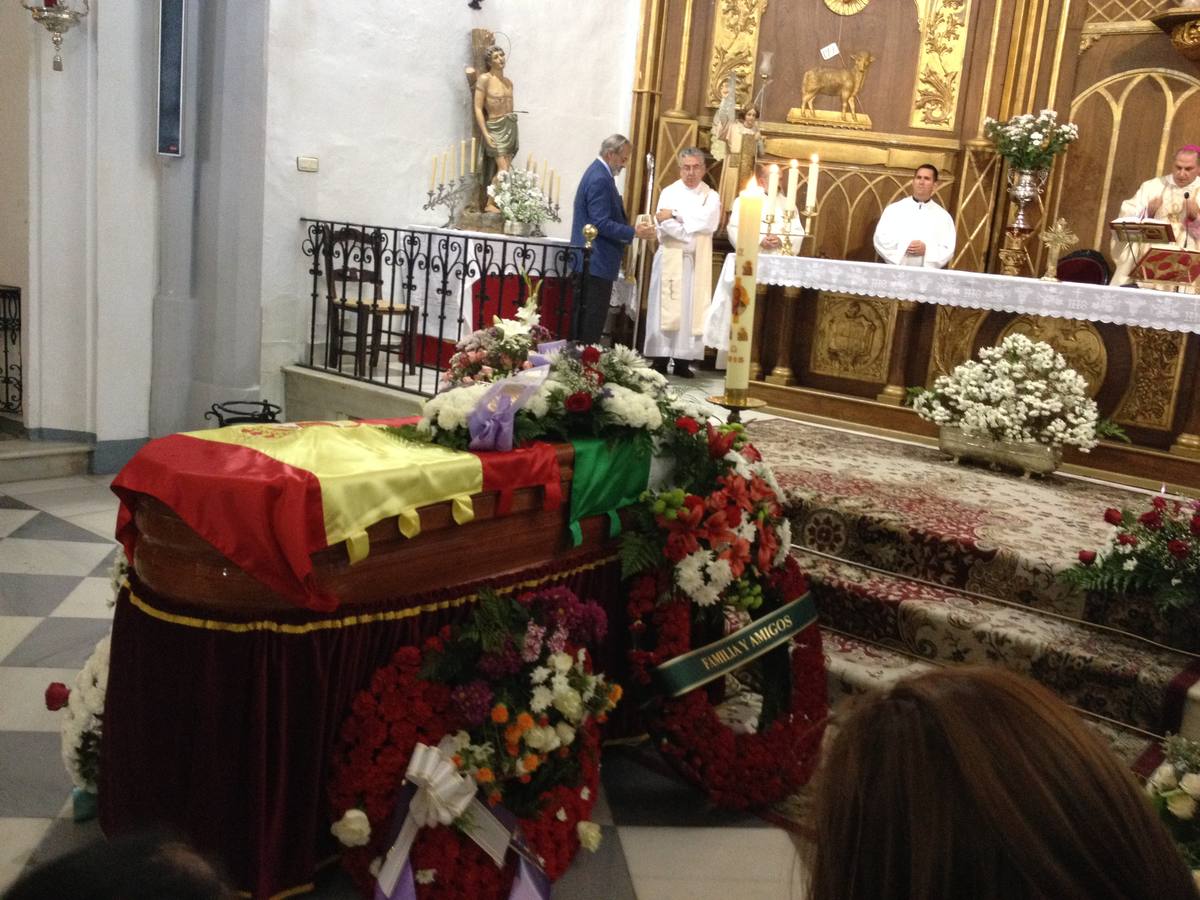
457 761
485 776
513 749
512 734
525 721
499 713
615 693
493 798
531 762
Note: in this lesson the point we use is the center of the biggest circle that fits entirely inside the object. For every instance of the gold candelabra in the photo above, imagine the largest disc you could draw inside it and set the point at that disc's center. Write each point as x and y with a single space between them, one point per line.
58 17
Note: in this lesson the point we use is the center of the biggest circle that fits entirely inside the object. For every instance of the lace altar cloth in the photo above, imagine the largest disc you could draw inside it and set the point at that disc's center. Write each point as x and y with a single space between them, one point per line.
977 290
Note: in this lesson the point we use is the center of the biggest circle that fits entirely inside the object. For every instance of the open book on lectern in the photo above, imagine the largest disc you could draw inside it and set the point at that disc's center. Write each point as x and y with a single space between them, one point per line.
1133 230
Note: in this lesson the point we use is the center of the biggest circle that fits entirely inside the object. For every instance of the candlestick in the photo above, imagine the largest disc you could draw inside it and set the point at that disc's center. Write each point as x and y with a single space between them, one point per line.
557 187
793 181
433 174
472 156
772 190
810 193
745 283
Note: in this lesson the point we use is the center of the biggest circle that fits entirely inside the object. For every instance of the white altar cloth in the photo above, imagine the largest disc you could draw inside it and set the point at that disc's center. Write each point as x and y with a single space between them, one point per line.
976 290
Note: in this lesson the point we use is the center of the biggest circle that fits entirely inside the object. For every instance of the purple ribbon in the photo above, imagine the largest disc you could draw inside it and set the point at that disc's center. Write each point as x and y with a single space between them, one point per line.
490 423
530 881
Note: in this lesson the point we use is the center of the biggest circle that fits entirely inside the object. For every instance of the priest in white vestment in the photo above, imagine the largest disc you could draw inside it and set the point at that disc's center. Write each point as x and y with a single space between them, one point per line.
770 241
1171 198
916 231
681 279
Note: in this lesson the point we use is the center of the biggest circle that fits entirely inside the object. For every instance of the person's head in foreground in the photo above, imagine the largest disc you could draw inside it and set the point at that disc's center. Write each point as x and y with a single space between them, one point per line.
131 867
976 783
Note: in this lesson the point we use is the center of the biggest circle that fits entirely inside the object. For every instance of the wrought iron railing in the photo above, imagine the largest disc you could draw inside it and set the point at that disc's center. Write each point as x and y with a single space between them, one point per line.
10 349
389 304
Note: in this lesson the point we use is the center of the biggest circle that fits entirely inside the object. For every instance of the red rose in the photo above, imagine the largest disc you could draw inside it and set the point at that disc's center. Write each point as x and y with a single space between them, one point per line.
1159 502
1151 519
1126 538
1087 557
579 402
1113 516
56 695
691 426
591 356
1195 525
1179 549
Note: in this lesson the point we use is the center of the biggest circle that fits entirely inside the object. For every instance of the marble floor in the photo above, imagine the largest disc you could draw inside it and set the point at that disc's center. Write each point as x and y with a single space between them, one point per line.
661 840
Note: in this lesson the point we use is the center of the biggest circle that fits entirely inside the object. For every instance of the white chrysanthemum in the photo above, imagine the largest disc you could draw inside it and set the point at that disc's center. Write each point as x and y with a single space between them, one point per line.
540 699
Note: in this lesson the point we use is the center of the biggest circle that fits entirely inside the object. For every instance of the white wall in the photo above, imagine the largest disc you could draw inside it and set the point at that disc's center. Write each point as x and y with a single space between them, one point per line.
375 95
14 145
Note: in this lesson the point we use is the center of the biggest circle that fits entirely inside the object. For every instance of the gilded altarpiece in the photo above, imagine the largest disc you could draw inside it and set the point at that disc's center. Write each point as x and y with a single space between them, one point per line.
939 70
734 48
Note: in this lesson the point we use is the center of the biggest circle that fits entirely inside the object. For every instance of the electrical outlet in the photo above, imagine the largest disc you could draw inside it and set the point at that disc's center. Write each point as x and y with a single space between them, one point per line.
308 163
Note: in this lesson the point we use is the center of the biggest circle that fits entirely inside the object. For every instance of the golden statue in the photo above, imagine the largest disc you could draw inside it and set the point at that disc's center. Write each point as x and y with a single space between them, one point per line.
832 81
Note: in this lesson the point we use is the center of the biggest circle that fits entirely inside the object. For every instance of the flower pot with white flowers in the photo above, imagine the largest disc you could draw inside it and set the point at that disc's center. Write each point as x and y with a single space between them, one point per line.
520 199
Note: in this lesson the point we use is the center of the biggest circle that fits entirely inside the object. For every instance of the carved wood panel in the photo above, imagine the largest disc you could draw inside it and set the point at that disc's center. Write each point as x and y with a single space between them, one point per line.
1157 365
854 336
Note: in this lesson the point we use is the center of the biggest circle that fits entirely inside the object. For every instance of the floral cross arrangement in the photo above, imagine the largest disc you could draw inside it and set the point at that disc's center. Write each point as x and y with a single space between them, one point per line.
1155 552
519 197
561 390
1174 789
1019 391
512 694
1028 141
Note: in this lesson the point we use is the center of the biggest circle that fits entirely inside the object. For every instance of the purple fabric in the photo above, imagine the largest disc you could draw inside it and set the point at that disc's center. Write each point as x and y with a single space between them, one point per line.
550 347
491 422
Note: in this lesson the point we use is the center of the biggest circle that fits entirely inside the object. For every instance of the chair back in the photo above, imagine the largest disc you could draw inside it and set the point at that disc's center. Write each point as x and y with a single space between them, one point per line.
353 256
1084 266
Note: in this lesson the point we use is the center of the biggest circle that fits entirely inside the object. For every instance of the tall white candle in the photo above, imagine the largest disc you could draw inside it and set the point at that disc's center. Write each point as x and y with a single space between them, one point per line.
745 283
445 160
472 156
772 190
462 157
810 195
433 175
793 182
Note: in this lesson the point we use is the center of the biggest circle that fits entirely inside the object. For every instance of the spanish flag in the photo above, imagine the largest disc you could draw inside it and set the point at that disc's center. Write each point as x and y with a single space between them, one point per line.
269 495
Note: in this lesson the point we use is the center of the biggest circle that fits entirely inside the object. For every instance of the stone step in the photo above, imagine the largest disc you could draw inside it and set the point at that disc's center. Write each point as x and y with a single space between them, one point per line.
1115 675
22 459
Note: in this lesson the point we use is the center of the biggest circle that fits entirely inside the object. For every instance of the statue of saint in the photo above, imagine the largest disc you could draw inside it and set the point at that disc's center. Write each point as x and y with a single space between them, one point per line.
494 115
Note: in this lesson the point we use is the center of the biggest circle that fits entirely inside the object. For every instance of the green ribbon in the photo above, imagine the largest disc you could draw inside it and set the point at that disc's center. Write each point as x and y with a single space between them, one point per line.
608 475
704 664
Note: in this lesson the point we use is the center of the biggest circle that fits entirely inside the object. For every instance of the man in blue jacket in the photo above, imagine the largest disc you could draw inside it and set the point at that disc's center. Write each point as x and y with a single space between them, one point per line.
598 203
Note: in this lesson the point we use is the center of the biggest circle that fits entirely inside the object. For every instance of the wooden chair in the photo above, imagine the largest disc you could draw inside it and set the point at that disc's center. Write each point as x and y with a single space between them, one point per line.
354 263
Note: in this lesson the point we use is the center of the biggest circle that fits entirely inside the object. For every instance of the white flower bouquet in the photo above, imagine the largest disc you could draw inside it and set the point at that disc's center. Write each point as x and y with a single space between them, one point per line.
1021 392
519 197
1028 141
1174 789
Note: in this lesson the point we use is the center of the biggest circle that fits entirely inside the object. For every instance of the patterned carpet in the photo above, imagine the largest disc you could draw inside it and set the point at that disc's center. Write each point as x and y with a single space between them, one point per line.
917 561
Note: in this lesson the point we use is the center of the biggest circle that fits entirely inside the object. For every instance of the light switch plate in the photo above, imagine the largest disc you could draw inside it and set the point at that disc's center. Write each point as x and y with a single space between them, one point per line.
307 163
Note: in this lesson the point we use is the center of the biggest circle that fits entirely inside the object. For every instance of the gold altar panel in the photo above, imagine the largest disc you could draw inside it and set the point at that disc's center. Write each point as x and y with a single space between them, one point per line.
853 337
1110 11
734 48
673 135
954 330
940 66
1150 399
977 192
1079 342
1129 123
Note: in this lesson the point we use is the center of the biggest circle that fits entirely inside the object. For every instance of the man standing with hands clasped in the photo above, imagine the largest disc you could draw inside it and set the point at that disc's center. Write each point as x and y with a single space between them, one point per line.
598 203
681 280
916 231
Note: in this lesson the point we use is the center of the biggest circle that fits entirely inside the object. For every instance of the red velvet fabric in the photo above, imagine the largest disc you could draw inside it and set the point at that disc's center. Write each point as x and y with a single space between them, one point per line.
228 735
503 295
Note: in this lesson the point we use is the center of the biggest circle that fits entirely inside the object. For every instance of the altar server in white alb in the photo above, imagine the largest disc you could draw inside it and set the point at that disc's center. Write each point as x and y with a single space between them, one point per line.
716 322
681 280
916 231
1171 198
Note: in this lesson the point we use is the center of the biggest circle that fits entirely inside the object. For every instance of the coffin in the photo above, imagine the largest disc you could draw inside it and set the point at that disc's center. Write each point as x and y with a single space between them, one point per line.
225 697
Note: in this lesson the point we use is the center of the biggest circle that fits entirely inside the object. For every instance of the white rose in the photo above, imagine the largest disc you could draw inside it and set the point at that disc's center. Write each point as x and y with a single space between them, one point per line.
566 734
560 661
589 835
1164 777
1182 806
561 815
353 829
1191 783
570 704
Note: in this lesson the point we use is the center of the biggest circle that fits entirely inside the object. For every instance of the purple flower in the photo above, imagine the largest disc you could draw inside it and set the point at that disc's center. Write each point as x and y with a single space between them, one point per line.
501 664
473 700
558 640
532 651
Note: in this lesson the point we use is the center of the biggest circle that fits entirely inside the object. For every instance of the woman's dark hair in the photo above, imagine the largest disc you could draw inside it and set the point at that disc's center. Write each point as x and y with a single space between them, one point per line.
978 783
150 866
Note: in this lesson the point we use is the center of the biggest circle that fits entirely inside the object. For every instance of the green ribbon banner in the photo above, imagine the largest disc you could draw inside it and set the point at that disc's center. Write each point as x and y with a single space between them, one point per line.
608 475
702 665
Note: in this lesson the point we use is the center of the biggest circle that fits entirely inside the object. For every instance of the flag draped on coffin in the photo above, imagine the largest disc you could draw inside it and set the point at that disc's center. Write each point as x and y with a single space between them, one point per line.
268 496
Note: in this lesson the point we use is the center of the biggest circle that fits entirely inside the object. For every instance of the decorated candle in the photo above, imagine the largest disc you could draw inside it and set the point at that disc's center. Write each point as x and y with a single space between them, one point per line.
793 181
745 283
810 194
772 190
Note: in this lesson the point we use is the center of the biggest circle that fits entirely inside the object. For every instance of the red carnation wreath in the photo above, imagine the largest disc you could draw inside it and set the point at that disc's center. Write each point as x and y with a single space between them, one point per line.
407 702
713 555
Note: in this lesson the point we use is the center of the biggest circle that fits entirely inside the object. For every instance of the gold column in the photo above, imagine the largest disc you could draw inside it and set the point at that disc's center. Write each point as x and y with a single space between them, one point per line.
760 306
896 388
684 47
782 373
645 101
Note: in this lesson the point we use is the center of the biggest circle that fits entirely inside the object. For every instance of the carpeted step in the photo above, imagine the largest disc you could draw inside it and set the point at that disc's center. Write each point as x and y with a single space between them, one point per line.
854 666
906 508
1114 675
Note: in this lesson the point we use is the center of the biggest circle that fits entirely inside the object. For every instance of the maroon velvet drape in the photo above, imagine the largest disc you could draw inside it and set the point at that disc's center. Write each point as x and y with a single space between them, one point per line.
224 729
